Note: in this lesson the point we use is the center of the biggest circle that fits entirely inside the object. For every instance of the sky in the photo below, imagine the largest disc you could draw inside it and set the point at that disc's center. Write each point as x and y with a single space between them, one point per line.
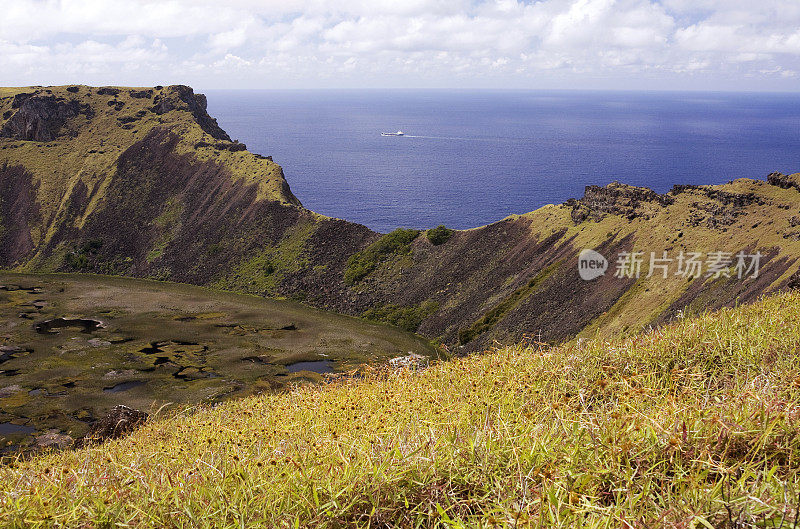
748 45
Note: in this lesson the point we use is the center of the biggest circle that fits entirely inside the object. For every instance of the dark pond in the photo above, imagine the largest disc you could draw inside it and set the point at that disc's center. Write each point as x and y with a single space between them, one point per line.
319 366
9 352
7 428
124 386
12 288
85 325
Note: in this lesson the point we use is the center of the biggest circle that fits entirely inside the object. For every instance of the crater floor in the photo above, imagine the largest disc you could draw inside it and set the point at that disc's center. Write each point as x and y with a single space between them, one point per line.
73 346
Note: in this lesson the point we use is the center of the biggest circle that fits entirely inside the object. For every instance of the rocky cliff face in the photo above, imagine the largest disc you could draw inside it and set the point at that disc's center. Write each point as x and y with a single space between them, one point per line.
184 98
142 182
37 117
784 181
617 199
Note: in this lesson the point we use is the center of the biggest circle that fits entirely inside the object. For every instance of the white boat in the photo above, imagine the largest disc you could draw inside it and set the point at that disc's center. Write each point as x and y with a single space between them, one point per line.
398 133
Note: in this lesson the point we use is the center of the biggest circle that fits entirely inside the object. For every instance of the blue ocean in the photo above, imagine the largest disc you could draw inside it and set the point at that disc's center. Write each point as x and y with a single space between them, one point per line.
469 158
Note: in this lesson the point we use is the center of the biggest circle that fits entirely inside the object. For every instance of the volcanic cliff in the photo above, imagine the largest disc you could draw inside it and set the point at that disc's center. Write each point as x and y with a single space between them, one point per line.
143 182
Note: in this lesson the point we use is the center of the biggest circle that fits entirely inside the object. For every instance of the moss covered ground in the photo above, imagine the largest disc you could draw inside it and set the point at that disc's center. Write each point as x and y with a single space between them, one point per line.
161 343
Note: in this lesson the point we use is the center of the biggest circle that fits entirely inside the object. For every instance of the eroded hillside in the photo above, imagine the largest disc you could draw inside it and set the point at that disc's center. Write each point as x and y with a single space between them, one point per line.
142 182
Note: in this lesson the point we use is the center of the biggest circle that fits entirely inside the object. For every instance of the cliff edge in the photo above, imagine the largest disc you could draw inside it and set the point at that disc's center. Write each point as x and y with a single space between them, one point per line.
143 182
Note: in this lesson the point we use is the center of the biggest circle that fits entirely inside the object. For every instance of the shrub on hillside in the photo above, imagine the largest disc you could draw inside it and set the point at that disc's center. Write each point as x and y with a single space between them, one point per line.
407 318
439 235
364 262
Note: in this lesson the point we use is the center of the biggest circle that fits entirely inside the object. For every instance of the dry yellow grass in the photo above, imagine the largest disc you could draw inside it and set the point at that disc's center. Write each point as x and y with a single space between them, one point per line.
692 425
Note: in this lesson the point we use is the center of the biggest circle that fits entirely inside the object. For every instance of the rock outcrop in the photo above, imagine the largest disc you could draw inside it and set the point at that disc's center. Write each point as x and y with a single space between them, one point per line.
784 181
183 98
616 199
53 440
411 361
120 421
41 117
717 208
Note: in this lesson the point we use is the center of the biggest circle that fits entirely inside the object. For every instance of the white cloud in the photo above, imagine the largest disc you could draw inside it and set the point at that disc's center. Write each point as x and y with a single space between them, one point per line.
711 37
226 40
417 42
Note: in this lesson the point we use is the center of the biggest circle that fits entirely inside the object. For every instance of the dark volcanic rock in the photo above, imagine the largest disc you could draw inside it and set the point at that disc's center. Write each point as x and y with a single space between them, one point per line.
794 281
784 181
120 421
107 91
717 209
18 212
21 98
234 146
141 94
40 118
183 97
615 199
726 198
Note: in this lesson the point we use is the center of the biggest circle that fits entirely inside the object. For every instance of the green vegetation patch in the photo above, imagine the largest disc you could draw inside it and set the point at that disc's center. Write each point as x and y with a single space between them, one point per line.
81 257
408 318
364 262
263 272
439 235
168 223
496 314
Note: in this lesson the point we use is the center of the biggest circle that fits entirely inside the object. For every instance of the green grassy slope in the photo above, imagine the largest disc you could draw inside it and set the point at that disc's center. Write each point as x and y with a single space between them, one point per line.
691 425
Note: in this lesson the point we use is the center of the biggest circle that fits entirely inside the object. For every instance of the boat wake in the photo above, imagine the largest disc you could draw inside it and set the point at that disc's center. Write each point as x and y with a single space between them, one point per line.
443 137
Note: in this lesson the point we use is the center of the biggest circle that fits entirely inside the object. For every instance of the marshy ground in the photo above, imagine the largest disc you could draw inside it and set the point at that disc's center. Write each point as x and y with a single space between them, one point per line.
72 347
